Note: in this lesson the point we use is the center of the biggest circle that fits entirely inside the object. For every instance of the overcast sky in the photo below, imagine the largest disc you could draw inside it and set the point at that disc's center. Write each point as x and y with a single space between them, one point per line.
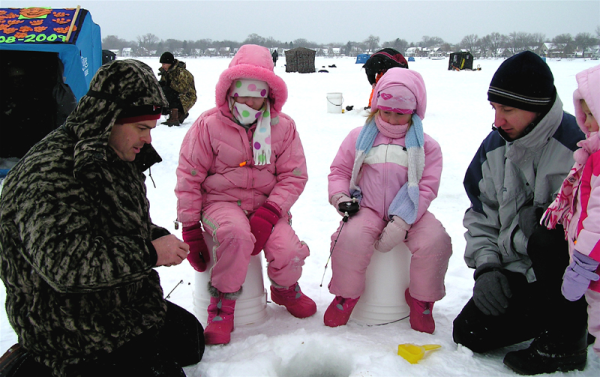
333 21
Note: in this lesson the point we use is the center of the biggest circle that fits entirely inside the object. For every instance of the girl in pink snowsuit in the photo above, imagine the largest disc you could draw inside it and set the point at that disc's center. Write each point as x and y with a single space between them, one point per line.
241 168
385 176
577 206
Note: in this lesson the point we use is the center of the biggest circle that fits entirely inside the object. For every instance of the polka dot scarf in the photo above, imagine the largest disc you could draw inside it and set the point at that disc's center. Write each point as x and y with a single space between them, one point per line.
245 115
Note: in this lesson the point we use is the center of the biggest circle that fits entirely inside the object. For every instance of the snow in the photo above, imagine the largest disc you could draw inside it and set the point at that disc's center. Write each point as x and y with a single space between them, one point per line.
458 117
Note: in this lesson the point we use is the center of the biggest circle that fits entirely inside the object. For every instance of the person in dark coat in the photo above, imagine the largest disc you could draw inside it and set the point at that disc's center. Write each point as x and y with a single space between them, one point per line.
519 264
275 56
78 249
179 88
379 63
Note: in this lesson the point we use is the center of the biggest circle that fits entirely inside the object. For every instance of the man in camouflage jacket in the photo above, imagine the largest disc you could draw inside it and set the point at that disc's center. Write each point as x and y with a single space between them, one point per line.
78 247
178 85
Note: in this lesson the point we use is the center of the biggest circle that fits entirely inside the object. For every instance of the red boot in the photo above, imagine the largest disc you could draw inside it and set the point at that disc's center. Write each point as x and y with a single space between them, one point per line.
297 303
220 320
421 318
338 312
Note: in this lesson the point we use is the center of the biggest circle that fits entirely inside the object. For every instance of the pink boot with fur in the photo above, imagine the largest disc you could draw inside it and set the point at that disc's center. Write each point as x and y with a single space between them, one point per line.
297 303
220 320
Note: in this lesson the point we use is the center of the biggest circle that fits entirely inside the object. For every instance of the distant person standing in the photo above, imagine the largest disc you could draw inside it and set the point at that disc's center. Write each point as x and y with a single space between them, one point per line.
275 56
178 86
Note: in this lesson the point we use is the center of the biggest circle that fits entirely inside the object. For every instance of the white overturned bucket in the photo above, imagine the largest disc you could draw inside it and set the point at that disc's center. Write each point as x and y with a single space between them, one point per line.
388 276
334 103
250 307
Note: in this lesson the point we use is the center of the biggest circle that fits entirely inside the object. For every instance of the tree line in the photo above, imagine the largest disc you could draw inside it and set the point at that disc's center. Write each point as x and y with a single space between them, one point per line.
490 44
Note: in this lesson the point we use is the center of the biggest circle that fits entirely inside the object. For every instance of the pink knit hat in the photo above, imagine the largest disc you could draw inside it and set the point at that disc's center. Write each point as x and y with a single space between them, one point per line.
397 98
410 81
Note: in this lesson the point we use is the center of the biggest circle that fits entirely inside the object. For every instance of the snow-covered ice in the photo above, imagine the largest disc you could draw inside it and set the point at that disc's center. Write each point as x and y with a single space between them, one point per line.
458 117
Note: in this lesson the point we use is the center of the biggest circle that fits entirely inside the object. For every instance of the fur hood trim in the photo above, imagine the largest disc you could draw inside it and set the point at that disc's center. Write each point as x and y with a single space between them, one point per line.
252 62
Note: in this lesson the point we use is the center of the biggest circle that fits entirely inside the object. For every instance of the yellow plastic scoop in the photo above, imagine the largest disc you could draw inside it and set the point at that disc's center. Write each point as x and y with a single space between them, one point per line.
413 353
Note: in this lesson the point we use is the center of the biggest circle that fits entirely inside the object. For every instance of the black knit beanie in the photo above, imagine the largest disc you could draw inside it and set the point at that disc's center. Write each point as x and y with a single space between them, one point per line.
135 114
523 81
383 60
167 58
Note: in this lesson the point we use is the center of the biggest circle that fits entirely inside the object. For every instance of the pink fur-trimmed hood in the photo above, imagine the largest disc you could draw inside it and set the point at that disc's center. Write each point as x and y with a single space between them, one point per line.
252 62
588 82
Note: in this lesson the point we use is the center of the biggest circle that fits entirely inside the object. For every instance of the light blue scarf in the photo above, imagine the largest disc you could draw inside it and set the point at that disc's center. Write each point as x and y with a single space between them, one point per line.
406 202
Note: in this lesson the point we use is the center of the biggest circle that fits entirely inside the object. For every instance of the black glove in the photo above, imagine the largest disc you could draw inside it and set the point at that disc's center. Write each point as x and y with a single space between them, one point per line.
349 207
529 219
491 291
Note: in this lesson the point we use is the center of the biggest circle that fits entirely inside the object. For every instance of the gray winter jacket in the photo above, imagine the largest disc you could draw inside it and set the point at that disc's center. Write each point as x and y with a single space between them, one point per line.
505 176
75 233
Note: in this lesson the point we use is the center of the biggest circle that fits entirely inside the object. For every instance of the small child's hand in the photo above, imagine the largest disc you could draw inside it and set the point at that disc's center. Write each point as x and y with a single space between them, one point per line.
578 276
345 205
350 208
393 234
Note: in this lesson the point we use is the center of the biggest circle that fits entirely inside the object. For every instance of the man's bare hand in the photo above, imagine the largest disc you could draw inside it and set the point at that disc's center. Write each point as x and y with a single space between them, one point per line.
170 250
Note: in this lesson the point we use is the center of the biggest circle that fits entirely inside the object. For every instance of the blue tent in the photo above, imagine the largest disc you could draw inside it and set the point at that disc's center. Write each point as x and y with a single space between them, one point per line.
69 32
362 58
47 60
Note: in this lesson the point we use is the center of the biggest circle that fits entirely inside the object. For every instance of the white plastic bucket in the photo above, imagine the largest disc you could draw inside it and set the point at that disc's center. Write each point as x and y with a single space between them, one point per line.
388 276
334 103
250 307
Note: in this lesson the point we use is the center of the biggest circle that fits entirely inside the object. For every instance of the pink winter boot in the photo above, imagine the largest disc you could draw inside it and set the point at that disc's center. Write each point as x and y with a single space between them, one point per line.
338 312
421 318
220 320
297 303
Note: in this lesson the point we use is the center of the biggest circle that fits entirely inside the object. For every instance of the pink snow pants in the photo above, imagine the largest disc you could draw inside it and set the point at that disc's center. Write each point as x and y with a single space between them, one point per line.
427 241
230 228
593 299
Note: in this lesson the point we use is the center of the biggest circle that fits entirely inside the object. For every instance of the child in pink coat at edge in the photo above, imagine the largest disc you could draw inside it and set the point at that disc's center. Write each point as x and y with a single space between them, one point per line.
241 168
384 177
577 205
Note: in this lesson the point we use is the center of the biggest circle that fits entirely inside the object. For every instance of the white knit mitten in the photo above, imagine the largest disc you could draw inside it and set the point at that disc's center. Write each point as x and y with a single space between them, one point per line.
393 233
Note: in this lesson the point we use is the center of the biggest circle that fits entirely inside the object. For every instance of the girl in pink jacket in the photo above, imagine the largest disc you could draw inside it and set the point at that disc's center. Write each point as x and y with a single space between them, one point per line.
384 177
577 205
241 168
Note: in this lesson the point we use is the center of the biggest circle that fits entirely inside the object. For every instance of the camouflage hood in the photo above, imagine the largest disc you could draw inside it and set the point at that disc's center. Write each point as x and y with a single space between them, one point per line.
116 86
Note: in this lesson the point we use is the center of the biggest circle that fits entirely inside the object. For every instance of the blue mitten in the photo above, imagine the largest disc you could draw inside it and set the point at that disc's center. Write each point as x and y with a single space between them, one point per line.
578 276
